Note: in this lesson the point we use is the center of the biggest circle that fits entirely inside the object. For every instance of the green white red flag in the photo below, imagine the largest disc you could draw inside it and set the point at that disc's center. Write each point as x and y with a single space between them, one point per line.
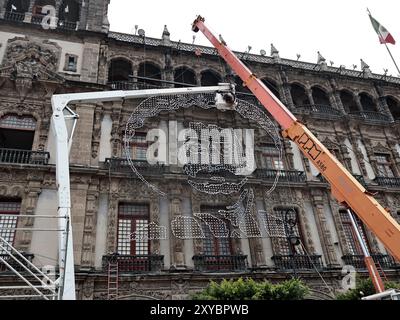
383 33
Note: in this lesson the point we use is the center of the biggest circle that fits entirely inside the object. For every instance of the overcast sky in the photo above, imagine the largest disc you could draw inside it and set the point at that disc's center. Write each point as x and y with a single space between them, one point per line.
340 29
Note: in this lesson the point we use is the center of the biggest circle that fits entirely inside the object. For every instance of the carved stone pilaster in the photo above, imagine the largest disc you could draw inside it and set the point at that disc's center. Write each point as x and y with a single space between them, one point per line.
112 218
154 217
177 245
345 152
115 134
318 199
96 133
197 243
89 231
87 289
289 154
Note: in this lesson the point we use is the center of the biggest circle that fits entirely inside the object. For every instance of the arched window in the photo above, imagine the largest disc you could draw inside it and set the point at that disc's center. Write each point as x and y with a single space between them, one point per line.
16 9
299 95
394 107
119 70
210 78
69 11
367 102
148 74
271 85
17 132
348 101
184 75
320 96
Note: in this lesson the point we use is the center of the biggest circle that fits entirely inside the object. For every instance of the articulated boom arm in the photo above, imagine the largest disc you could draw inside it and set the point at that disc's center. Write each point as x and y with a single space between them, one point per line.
345 188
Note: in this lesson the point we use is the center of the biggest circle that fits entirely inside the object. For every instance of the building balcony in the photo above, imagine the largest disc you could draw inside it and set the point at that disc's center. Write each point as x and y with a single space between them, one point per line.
298 262
7 258
284 175
320 111
388 182
357 261
225 263
137 263
122 165
370 117
16 156
14 16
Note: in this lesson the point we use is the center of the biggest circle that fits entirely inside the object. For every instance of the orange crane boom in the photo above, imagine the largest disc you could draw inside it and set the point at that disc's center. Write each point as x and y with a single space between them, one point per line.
345 188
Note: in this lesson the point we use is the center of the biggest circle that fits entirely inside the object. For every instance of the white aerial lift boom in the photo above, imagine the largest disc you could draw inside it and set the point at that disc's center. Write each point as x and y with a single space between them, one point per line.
60 104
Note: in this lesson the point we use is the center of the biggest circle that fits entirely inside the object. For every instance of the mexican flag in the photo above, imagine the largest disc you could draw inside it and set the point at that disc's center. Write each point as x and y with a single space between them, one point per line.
383 33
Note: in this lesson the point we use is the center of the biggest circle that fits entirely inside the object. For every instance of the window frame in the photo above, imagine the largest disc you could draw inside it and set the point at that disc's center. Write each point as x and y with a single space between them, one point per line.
217 245
9 235
133 220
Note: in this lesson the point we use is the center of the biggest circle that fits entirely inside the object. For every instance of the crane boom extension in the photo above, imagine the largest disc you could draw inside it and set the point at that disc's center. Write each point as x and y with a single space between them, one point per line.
345 188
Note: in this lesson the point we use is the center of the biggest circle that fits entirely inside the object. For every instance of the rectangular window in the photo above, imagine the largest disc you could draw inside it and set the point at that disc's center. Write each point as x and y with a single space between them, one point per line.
133 220
271 157
351 237
213 246
284 222
71 62
139 147
9 211
384 165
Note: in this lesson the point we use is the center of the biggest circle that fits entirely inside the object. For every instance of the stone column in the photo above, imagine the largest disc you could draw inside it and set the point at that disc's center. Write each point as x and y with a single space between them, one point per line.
382 104
358 101
310 96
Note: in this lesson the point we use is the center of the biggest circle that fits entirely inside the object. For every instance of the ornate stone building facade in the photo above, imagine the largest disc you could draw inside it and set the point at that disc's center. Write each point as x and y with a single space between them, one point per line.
355 114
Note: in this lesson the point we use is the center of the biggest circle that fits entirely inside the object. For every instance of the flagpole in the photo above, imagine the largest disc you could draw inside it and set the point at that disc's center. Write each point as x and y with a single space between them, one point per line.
394 61
390 53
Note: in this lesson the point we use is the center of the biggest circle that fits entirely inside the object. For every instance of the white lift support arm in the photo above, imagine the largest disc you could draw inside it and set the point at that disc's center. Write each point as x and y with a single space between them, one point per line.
60 103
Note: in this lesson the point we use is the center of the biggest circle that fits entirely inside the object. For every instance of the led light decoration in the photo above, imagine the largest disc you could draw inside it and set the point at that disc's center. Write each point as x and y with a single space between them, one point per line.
184 228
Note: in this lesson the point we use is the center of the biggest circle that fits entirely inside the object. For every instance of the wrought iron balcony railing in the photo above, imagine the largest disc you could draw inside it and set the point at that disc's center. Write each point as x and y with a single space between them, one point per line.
359 178
220 263
298 261
320 111
14 16
122 165
357 261
66 25
284 175
37 19
24 156
137 263
130 85
370 117
10 260
388 182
